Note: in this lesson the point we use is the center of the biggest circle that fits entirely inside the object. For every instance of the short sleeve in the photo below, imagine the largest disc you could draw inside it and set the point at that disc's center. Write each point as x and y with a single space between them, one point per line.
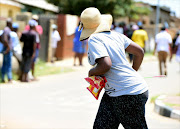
133 36
127 41
146 36
96 49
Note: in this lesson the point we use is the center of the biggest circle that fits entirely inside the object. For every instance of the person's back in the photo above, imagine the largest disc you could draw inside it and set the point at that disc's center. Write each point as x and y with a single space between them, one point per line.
6 36
163 39
122 78
14 38
28 37
77 44
77 35
139 37
163 42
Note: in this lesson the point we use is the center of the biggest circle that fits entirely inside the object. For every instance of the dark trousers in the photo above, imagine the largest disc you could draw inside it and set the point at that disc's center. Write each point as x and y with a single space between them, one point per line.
26 64
128 110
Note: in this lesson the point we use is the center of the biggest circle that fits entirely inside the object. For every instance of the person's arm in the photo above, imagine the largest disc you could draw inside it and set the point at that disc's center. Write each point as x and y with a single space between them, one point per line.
155 49
138 53
7 47
6 43
103 65
170 52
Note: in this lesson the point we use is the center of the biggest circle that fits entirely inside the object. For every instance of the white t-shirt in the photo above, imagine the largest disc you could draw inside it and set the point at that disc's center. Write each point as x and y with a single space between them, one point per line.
15 42
55 38
122 79
163 39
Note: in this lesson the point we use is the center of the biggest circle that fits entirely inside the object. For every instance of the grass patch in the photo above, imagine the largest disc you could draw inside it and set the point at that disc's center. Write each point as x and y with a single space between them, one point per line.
178 94
172 105
42 69
148 54
14 76
154 98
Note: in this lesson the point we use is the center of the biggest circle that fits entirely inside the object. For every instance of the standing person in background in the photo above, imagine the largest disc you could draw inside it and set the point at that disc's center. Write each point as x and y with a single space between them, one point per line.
78 47
163 42
17 50
39 32
140 37
54 39
29 48
7 52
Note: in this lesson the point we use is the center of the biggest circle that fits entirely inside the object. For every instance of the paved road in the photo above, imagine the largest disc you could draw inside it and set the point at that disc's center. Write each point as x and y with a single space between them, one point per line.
62 101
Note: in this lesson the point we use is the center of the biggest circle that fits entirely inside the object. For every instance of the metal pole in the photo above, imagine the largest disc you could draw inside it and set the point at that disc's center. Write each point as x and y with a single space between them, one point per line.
157 18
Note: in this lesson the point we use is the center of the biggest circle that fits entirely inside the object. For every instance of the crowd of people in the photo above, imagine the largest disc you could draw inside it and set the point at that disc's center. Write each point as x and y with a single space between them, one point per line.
164 44
27 55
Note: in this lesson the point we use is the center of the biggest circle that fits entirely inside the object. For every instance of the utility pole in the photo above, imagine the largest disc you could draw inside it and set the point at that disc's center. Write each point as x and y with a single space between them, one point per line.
157 17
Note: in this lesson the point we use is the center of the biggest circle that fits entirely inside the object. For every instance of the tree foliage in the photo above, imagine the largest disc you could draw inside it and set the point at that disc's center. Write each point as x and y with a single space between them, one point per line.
114 7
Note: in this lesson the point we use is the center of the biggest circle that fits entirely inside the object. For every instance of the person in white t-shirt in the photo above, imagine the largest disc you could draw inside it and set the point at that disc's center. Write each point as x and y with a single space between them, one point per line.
126 92
54 41
163 48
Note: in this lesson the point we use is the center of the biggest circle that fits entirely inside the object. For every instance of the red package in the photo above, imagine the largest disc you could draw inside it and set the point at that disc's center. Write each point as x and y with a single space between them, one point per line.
96 85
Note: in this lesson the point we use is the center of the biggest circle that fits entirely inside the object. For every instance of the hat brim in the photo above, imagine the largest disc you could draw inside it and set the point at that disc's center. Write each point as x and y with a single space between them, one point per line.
105 25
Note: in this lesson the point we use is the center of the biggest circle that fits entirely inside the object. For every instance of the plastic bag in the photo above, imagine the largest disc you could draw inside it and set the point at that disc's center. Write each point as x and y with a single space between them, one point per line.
97 83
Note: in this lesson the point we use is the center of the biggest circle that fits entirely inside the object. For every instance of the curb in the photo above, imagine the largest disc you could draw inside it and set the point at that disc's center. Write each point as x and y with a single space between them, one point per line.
164 110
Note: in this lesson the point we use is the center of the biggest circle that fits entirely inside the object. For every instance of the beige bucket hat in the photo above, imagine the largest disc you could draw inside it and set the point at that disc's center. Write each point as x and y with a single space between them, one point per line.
35 17
92 21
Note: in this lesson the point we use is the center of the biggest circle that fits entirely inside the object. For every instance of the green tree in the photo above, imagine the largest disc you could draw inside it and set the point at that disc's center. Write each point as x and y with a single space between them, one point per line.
114 7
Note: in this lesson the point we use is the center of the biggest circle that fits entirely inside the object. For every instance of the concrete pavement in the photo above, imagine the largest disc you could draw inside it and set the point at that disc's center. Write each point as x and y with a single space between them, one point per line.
62 101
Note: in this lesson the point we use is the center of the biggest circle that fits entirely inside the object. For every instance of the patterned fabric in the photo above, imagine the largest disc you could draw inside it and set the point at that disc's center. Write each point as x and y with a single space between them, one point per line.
128 110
